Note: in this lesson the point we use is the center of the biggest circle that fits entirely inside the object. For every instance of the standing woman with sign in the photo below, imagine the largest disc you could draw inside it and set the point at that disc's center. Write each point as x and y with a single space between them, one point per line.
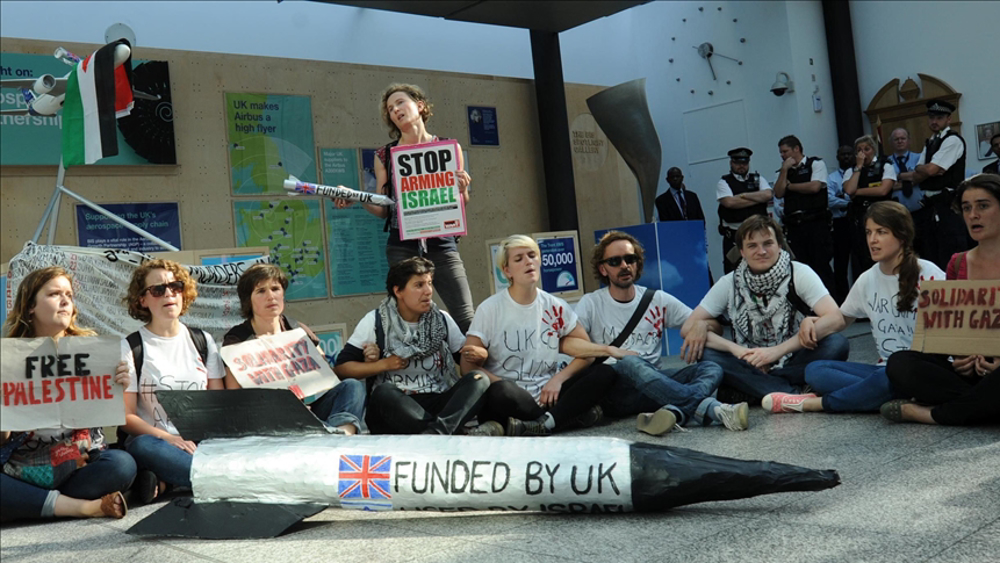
965 391
262 303
405 110
523 330
44 307
173 357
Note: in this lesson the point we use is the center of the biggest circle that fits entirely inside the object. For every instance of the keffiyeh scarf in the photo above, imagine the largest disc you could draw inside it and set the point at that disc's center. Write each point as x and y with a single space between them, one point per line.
430 336
762 314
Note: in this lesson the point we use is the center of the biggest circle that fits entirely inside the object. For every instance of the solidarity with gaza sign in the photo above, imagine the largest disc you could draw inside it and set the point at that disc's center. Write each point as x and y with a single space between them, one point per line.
958 317
287 360
428 202
69 384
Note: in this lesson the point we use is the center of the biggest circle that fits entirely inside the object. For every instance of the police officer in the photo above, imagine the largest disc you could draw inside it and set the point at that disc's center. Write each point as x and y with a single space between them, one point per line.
941 167
740 195
802 183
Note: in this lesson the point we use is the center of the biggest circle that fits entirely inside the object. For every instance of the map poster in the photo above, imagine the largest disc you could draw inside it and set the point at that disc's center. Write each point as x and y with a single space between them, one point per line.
293 230
161 220
270 138
340 167
428 202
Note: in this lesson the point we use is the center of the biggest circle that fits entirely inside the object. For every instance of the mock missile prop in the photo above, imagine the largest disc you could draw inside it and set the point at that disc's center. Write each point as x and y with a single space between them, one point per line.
264 484
296 187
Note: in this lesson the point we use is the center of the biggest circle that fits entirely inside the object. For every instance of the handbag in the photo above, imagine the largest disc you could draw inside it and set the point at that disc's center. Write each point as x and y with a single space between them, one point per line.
49 466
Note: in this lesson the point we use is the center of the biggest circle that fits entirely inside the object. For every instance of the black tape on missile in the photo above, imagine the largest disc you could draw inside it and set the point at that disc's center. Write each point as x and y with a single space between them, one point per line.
664 477
235 413
222 520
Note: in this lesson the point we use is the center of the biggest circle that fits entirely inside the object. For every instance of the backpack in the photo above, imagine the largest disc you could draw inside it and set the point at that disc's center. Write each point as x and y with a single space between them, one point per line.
200 341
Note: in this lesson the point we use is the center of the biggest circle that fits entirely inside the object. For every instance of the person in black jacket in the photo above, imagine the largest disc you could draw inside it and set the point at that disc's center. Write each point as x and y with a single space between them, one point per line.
677 203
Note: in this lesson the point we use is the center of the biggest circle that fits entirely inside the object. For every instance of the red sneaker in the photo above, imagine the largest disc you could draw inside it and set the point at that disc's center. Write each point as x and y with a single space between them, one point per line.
784 402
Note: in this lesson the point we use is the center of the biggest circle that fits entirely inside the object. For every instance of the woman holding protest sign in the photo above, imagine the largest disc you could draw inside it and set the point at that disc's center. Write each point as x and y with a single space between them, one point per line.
886 294
163 355
261 290
524 329
405 110
90 481
966 390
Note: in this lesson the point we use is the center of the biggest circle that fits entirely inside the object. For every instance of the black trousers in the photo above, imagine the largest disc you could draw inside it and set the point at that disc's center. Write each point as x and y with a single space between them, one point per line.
841 258
585 389
930 379
812 244
940 231
391 411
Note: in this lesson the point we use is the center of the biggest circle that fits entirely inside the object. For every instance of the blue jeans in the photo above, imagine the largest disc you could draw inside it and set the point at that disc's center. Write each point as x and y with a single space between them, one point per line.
641 387
170 463
788 379
111 470
849 386
344 404
450 281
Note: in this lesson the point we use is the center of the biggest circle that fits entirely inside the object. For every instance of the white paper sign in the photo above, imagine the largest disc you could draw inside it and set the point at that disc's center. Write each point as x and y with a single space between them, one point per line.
287 360
428 202
69 385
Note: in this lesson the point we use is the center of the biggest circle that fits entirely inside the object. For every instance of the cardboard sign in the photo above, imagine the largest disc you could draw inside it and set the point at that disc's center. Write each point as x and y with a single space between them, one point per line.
428 202
69 384
287 360
958 317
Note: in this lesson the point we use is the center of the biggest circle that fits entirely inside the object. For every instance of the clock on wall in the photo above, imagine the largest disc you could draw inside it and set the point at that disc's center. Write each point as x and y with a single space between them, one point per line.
721 65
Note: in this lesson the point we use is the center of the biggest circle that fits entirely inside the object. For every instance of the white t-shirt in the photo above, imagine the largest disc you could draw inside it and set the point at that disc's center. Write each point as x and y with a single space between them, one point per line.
523 340
873 295
424 375
888 173
722 189
603 317
948 153
807 285
171 364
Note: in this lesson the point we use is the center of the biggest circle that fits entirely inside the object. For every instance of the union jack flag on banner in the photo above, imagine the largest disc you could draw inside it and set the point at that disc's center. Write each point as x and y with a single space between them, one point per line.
364 482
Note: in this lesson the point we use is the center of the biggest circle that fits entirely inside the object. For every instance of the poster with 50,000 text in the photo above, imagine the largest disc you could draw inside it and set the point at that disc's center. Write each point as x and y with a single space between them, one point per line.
428 202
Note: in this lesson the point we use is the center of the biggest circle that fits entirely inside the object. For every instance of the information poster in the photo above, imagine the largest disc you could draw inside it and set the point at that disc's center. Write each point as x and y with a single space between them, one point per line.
161 220
340 167
293 230
70 383
428 202
483 126
500 281
270 138
331 339
356 247
561 269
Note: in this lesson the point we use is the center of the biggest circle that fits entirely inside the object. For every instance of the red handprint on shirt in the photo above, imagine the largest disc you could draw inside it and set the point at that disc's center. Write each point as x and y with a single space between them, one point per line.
655 318
554 320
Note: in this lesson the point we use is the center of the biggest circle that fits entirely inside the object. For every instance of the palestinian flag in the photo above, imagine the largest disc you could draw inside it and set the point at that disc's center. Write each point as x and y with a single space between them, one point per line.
97 94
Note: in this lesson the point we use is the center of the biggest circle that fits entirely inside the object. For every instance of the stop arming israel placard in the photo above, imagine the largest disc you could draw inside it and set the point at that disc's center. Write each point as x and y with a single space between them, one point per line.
69 384
428 202
287 360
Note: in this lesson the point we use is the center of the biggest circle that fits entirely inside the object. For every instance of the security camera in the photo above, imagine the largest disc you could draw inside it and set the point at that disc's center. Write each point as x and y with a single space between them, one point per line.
782 84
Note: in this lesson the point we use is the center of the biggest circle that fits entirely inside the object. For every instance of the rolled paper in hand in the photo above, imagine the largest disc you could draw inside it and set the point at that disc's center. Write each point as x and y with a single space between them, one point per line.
296 186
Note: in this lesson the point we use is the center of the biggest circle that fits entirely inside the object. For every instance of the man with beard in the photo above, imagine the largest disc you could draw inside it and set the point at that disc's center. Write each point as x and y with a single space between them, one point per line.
630 317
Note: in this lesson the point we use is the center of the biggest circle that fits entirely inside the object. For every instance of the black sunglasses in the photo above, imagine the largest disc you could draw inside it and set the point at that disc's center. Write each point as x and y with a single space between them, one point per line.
616 261
159 290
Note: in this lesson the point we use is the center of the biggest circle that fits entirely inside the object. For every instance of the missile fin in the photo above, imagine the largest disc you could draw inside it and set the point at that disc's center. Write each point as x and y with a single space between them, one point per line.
186 518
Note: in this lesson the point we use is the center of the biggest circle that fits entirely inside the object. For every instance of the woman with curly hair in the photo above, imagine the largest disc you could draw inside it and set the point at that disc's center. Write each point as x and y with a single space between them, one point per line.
160 292
44 307
405 111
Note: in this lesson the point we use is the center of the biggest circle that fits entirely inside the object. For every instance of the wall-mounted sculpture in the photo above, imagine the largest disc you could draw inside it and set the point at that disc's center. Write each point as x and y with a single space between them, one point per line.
623 114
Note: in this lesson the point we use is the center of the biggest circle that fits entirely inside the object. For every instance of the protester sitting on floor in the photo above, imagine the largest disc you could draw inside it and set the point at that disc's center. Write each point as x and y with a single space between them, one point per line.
662 398
523 330
91 486
766 297
965 391
407 347
886 294
261 289
173 357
